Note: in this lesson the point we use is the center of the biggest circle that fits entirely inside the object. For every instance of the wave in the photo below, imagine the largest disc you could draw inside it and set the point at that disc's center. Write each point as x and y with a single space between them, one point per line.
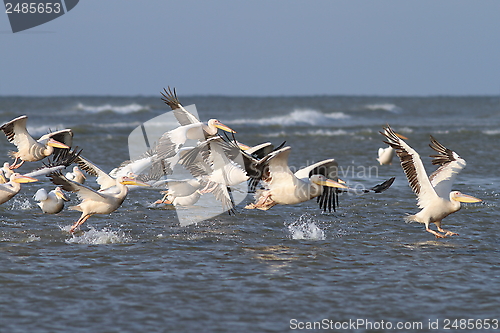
294 118
384 107
104 236
124 109
318 132
491 132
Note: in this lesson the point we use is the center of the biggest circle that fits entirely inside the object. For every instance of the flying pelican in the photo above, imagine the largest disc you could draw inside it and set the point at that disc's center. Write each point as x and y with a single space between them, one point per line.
104 201
76 175
51 202
181 192
11 188
435 197
385 155
286 188
30 149
184 117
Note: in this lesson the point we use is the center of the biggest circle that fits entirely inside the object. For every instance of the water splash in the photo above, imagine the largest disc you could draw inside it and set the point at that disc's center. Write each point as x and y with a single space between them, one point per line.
21 204
104 236
306 228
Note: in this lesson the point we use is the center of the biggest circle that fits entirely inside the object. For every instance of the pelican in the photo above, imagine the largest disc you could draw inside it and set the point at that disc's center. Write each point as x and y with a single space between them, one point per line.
77 175
51 202
434 193
286 188
7 171
30 149
212 162
11 188
184 117
104 201
181 192
385 155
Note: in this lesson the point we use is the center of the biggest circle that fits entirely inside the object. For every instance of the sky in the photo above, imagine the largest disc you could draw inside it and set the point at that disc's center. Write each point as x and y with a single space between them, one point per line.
258 48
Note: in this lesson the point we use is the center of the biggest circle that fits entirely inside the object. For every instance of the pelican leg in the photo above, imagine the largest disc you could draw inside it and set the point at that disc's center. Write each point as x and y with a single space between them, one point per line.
164 199
78 223
14 166
447 232
437 234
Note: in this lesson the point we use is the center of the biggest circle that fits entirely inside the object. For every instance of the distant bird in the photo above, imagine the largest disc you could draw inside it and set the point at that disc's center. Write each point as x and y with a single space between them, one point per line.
13 186
76 175
51 202
104 201
28 148
385 155
181 192
434 193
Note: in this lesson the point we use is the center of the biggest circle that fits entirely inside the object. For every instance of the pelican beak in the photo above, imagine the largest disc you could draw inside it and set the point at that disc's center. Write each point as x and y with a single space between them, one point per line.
331 183
56 144
223 127
61 194
243 146
132 181
466 198
2 179
401 136
24 179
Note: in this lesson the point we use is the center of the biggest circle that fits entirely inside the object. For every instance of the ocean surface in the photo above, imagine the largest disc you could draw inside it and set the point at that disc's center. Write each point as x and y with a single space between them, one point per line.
292 267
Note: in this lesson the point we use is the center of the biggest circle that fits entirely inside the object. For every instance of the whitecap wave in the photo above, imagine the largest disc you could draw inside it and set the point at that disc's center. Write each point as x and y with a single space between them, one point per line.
491 132
124 109
384 107
295 118
318 132
306 228
104 236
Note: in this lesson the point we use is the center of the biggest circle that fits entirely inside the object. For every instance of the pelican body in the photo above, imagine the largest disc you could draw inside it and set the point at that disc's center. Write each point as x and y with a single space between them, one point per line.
51 202
435 197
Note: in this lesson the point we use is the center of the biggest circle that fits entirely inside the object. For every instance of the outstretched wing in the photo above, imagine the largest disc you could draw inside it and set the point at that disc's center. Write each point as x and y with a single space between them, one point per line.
83 191
413 168
103 179
328 200
16 133
184 117
450 165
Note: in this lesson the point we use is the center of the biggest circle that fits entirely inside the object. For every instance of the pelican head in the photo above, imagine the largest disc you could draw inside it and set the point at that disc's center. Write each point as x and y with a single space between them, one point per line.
458 196
56 144
323 181
126 180
214 123
59 193
18 178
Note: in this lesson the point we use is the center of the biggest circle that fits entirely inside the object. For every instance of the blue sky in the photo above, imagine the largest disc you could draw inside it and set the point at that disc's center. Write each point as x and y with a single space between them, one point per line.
383 47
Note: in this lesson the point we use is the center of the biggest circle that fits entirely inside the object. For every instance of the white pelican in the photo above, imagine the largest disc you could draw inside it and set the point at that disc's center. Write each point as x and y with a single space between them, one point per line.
76 175
51 202
434 193
104 201
385 155
214 167
181 192
184 117
11 188
7 171
286 188
28 148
